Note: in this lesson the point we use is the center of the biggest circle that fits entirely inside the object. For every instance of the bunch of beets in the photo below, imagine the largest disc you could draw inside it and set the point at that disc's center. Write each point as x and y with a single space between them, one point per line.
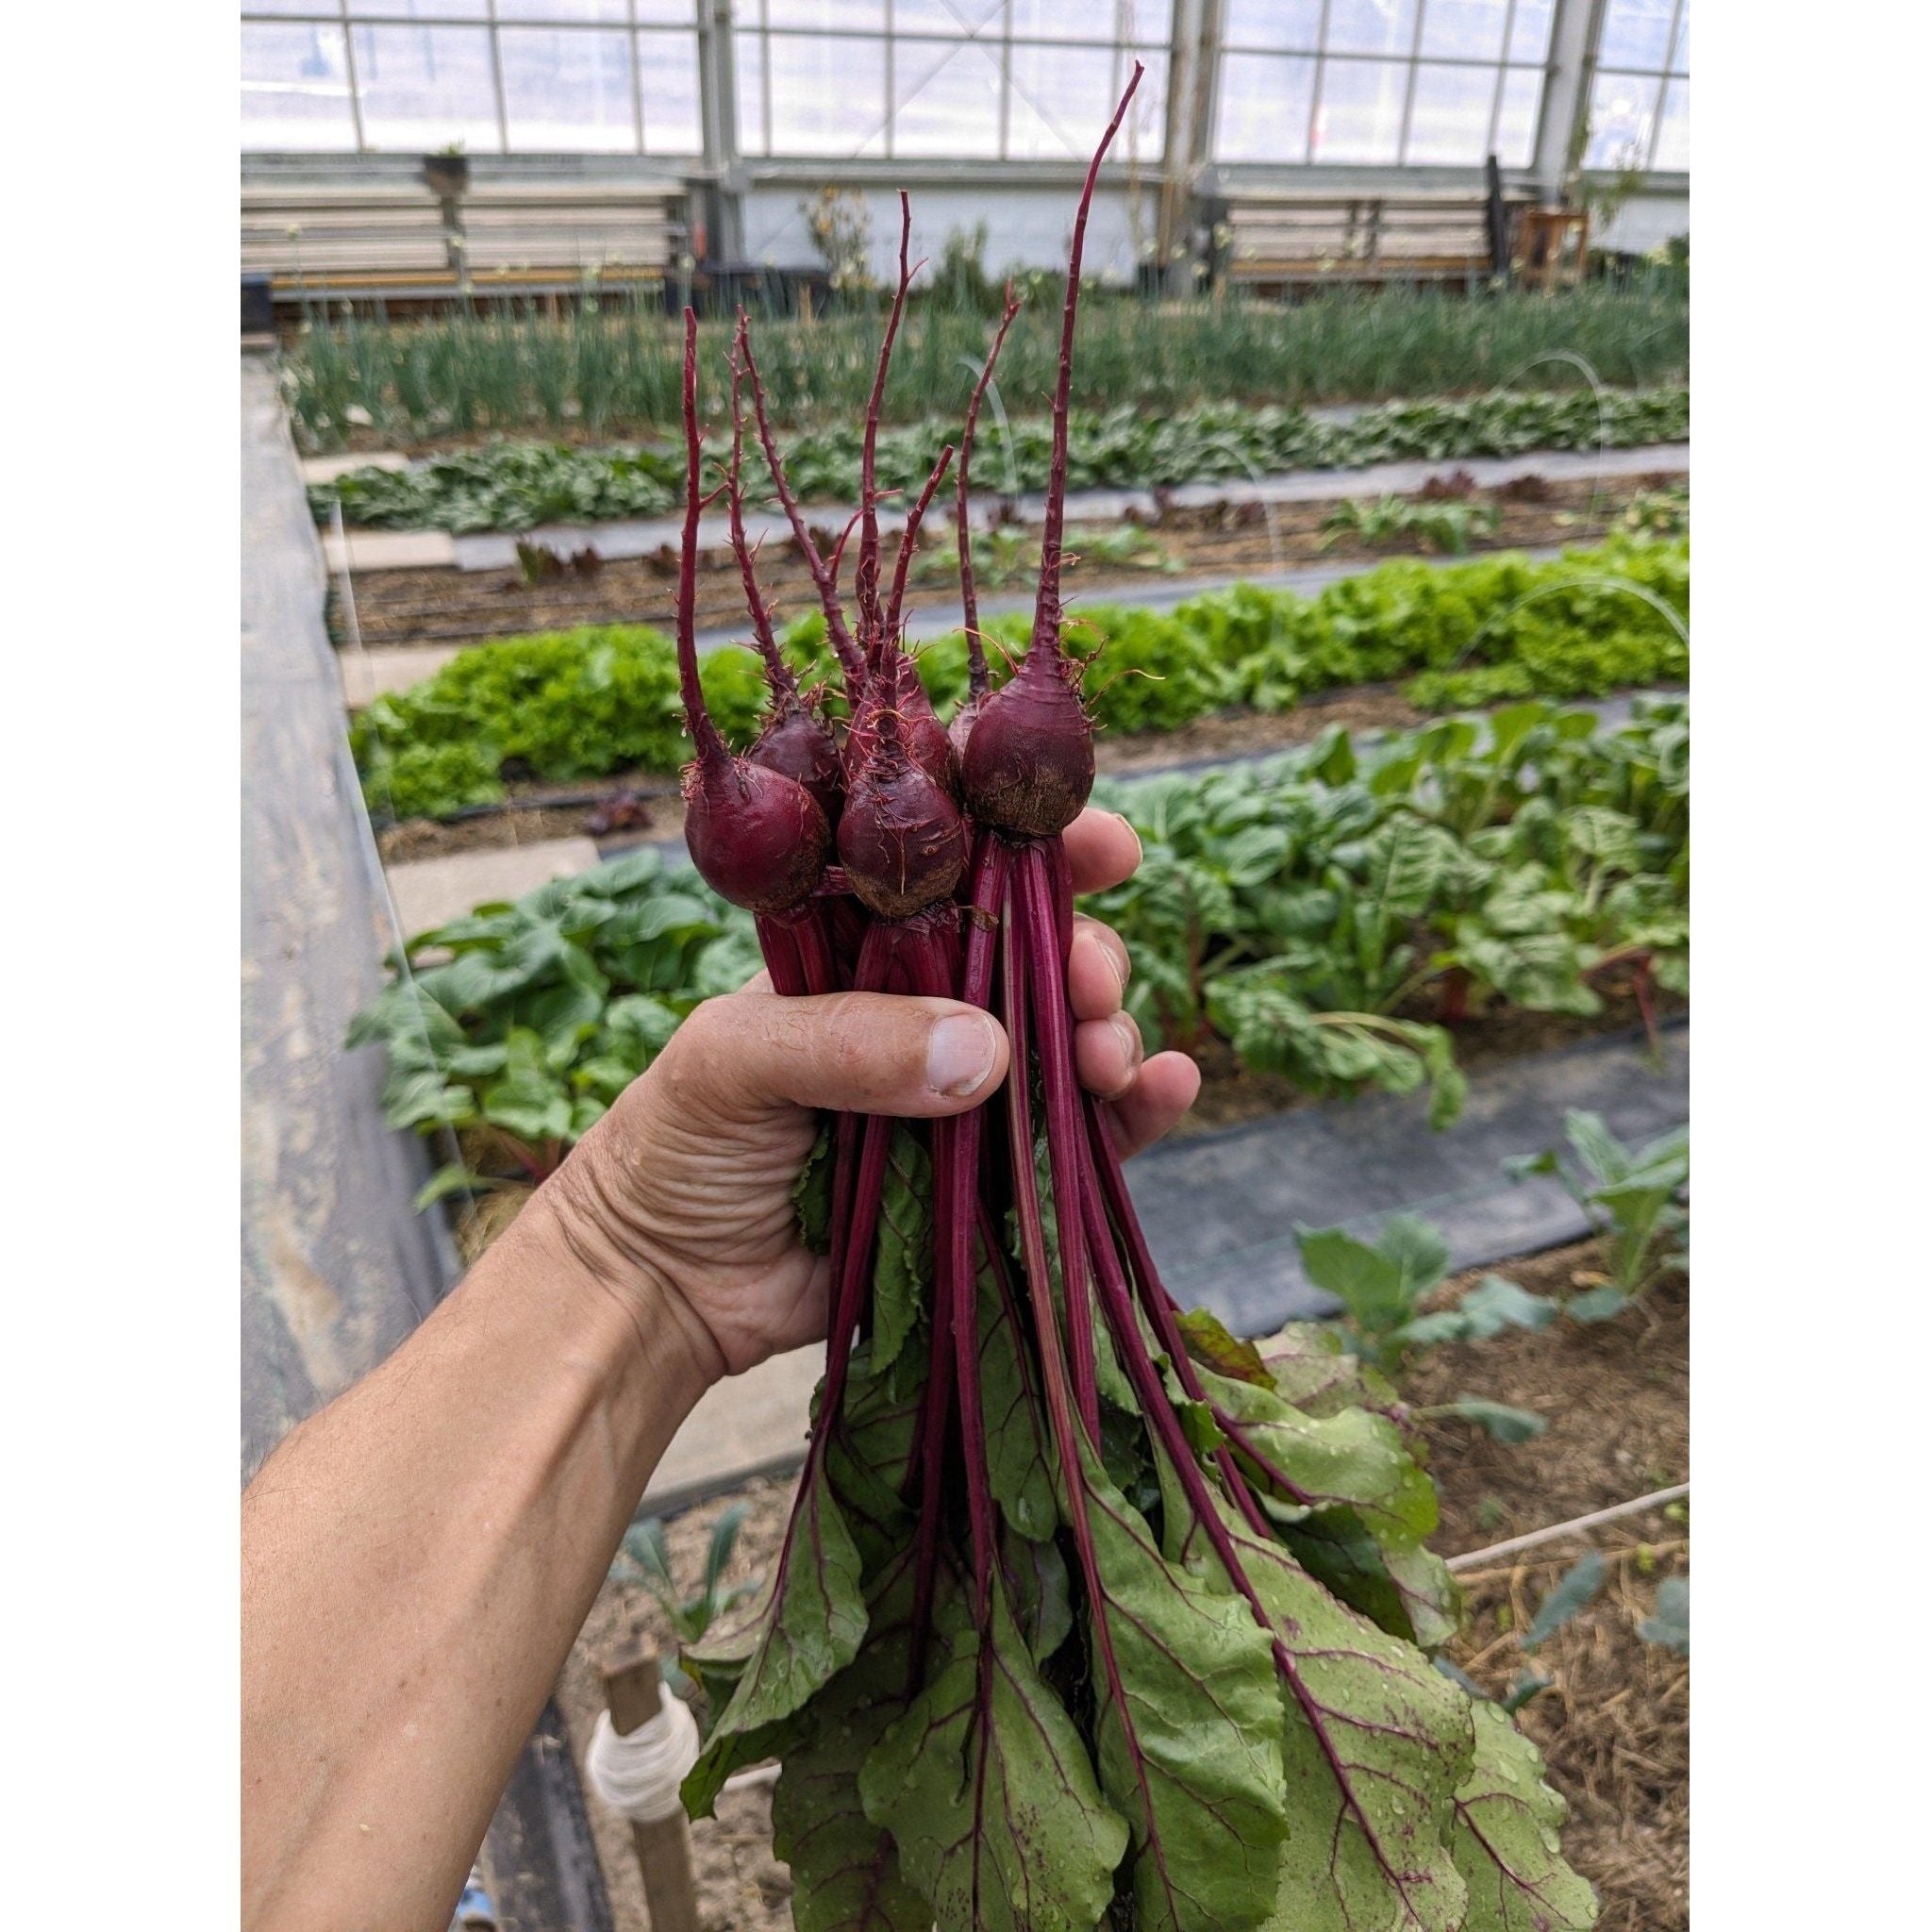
1087 1612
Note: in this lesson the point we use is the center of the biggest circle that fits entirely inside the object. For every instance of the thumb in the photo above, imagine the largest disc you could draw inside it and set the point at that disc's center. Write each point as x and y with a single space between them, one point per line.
858 1052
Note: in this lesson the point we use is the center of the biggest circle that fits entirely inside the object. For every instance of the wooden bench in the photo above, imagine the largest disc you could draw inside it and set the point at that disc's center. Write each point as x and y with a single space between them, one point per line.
1284 240
399 238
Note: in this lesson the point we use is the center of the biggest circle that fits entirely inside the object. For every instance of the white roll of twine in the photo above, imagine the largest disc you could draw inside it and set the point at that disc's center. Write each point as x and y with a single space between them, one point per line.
638 1776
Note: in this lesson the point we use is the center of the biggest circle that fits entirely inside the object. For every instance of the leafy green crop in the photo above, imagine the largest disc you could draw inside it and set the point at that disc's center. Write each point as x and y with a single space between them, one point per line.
514 364
515 486
566 705
1287 908
1300 907
1437 526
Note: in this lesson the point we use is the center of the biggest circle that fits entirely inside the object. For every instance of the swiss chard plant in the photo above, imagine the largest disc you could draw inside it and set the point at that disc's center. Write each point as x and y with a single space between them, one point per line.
1382 1286
1637 1200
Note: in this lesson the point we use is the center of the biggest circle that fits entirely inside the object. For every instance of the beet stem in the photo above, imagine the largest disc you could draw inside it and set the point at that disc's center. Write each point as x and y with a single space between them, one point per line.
779 674
908 541
866 583
969 593
713 759
1047 609
824 577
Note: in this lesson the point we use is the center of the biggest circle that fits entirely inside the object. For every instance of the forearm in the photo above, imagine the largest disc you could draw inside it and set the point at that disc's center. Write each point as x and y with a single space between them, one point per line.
417 1559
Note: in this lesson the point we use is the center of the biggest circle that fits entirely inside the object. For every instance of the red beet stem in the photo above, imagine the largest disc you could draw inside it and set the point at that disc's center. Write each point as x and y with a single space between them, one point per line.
1047 607
712 756
779 674
866 581
824 576
969 594
908 541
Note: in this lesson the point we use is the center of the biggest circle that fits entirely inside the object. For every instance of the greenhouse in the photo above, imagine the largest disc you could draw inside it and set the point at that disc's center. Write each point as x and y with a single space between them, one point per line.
966 965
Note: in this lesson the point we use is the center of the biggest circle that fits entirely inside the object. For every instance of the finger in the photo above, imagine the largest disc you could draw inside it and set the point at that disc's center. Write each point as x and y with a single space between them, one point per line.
858 1052
1102 850
1096 970
1165 1090
1107 1055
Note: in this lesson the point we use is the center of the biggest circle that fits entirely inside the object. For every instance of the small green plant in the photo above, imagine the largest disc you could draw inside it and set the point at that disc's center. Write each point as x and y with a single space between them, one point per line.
1448 526
960 282
839 224
1381 1288
1635 1198
1671 1625
644 1557
1009 553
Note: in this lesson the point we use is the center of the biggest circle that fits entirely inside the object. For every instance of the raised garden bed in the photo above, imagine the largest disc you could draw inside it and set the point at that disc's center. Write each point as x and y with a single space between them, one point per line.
1613 1723
1229 539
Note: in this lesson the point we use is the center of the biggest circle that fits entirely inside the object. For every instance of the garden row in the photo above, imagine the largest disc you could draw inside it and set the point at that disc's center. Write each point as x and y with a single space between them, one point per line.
1330 915
516 486
601 699
513 365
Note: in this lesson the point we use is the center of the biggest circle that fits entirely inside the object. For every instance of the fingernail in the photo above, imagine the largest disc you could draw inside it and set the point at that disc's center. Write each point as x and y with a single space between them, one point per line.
959 1053
1138 848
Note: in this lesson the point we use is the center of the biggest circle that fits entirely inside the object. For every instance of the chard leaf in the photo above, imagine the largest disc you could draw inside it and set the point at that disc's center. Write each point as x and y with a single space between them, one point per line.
868 1459
1378 1743
1190 1754
845 1869
903 1272
1043 1593
986 1786
1309 1368
1505 1838
804 1628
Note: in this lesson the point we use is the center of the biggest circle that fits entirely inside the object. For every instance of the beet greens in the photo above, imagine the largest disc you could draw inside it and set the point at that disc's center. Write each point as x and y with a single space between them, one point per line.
1088 1612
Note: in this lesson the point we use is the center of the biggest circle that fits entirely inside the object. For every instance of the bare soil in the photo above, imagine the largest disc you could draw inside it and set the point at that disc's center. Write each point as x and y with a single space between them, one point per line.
420 606
1614 1722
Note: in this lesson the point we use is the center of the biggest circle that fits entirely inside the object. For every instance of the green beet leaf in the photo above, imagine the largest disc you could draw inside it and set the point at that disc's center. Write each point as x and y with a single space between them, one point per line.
845 1869
1505 1840
1377 1744
805 1626
1189 1741
987 1789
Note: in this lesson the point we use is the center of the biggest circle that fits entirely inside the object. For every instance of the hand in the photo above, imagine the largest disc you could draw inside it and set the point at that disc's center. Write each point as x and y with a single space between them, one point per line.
681 1195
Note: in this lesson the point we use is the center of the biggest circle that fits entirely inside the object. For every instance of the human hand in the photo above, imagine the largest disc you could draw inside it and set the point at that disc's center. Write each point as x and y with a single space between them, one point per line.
681 1195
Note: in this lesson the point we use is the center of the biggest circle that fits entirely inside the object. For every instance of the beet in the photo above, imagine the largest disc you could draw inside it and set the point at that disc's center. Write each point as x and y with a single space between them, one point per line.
902 840
756 837
1028 767
799 743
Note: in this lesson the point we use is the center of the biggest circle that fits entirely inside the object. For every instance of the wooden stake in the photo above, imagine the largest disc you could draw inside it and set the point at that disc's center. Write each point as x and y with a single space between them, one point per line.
631 1689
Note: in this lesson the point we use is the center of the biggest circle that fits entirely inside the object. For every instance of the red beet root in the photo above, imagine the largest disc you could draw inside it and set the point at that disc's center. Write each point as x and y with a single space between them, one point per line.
902 840
1029 763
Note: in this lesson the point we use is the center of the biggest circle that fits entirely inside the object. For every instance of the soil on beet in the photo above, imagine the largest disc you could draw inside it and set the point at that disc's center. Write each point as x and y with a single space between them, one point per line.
1614 1722
421 607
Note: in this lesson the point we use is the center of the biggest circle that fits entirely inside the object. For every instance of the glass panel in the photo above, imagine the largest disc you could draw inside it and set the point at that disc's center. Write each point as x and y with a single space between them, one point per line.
425 87
601 10
954 19
1464 30
285 7
1636 33
1266 24
668 74
1530 32
417 10
1054 19
751 94
1371 26
568 93
1264 108
1620 109
295 88
947 99
667 12
1359 118
1674 129
855 13
1522 93
1056 92
829 96
1681 59
1449 123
